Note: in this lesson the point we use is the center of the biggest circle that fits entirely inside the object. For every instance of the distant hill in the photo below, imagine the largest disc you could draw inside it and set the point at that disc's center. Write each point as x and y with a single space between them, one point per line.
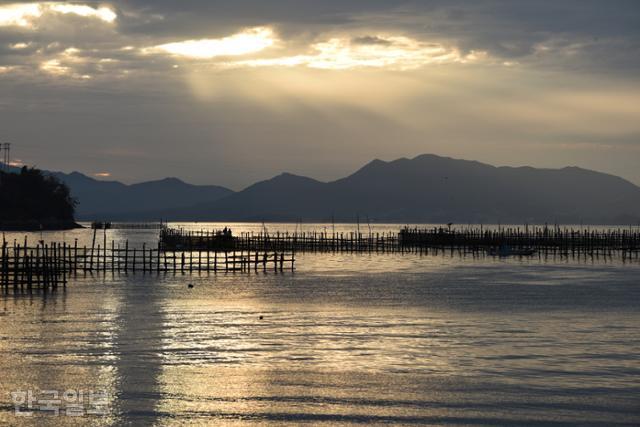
112 200
427 188
437 189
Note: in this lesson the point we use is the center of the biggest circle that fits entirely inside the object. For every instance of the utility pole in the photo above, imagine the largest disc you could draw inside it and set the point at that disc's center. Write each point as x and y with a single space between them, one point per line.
6 157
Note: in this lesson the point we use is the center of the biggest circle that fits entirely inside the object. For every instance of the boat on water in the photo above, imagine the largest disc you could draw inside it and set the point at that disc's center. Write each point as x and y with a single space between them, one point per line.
506 250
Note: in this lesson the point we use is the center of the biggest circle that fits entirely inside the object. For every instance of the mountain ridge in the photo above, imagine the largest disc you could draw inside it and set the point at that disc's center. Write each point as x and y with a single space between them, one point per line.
103 200
426 188
430 188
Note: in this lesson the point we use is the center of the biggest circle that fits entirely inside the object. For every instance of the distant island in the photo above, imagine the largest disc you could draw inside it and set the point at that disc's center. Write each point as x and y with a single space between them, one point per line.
424 189
32 200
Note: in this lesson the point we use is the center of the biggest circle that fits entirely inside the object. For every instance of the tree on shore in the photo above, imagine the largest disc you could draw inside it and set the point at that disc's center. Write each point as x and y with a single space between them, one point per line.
31 196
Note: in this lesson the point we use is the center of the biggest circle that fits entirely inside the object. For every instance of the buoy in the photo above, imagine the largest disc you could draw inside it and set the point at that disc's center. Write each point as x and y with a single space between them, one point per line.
261 317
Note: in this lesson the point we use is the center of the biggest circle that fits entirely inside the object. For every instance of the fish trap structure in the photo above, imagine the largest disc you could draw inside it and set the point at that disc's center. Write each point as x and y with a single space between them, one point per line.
177 239
172 239
50 265
514 240
545 239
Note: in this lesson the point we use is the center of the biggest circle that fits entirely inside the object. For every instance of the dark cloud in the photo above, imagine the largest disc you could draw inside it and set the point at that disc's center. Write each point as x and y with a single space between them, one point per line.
371 40
586 34
506 27
81 93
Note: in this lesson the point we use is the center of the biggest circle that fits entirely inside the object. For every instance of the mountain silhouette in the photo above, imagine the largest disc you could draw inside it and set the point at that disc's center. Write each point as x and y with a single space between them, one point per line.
431 188
427 188
108 199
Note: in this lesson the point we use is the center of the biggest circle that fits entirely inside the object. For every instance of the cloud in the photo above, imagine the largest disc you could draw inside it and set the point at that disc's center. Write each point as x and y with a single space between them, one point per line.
389 51
19 15
371 40
328 35
250 40
18 46
251 88
27 14
381 51
103 13
68 63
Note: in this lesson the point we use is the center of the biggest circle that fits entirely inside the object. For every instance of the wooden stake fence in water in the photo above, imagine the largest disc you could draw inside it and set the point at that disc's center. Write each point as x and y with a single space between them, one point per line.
48 266
623 242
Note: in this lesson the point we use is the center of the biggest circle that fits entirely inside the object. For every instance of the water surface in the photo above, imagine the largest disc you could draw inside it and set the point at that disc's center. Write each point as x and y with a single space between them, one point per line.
346 339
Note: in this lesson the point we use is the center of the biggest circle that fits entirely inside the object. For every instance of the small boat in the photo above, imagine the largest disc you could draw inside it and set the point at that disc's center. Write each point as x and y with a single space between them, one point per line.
506 250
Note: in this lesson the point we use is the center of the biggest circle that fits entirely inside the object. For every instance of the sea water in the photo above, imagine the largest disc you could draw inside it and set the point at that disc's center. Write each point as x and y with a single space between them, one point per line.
345 339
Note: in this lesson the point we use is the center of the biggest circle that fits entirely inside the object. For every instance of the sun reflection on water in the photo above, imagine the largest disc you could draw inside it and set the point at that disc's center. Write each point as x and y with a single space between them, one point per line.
346 338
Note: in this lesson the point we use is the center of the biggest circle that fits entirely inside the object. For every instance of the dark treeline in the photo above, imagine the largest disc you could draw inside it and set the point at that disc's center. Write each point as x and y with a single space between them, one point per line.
33 200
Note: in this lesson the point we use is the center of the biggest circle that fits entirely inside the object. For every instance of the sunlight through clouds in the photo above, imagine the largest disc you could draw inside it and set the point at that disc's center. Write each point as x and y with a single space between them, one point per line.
391 52
53 66
25 14
19 46
251 40
336 53
65 65
19 14
102 13
499 80
395 51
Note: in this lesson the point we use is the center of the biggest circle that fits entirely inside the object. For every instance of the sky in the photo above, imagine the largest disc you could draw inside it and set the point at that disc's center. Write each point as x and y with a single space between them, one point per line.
231 92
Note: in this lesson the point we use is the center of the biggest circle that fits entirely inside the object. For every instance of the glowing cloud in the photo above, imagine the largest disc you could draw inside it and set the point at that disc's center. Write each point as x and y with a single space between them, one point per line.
53 66
103 13
393 52
19 14
65 64
251 40
399 52
19 46
24 14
